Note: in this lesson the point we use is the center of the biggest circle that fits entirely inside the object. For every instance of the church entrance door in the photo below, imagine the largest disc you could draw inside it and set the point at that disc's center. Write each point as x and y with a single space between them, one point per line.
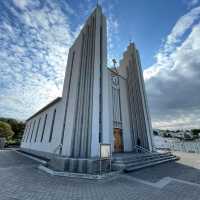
118 143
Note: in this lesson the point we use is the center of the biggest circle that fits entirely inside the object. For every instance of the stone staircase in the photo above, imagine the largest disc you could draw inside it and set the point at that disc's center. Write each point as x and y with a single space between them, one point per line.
135 161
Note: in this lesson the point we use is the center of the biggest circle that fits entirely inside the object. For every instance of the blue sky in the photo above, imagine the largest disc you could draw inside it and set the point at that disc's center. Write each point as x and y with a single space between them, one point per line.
35 36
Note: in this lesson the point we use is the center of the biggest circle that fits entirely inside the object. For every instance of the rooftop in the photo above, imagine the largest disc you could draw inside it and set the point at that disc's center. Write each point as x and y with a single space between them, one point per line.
45 107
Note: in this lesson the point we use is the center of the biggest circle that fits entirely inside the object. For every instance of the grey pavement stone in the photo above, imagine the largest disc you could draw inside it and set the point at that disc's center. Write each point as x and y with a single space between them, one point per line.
179 170
26 182
10 158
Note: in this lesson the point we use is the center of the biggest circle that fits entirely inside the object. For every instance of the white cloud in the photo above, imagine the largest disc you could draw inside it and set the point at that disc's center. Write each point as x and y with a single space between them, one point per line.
33 55
25 4
20 3
173 81
182 25
112 32
191 3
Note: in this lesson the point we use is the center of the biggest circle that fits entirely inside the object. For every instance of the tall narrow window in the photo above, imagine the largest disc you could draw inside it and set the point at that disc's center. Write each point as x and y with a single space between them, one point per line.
32 131
28 132
45 119
52 125
100 87
38 125
25 132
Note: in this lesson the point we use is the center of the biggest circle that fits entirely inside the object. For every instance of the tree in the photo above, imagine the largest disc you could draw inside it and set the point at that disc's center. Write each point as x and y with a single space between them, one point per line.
17 127
195 132
6 130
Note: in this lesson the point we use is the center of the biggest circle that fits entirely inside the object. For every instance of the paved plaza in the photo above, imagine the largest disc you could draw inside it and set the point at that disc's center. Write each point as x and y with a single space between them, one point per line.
186 169
21 180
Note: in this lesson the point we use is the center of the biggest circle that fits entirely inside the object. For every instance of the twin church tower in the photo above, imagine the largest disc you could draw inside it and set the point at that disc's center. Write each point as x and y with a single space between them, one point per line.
98 104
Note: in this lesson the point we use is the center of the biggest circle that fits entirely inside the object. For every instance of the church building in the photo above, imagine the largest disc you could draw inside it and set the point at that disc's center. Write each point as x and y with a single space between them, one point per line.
99 104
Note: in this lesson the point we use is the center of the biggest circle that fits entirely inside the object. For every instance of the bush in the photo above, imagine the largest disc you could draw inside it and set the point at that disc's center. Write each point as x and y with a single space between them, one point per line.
6 130
17 127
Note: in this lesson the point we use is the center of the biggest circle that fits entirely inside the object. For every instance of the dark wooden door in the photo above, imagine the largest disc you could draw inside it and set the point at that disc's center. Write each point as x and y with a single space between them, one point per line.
118 143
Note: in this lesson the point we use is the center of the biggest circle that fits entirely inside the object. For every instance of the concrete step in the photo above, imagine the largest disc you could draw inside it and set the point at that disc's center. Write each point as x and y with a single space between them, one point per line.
133 156
149 164
33 155
39 159
141 161
140 158
148 161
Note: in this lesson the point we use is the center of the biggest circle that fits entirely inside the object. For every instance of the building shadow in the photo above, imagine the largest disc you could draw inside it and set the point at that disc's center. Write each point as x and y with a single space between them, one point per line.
171 169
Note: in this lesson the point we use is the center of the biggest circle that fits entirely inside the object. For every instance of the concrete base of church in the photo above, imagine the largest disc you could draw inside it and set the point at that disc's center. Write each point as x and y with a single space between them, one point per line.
74 165
80 175
78 165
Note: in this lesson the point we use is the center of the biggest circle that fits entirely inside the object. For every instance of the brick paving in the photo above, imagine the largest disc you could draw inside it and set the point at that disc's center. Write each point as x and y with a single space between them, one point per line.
9 158
21 180
187 169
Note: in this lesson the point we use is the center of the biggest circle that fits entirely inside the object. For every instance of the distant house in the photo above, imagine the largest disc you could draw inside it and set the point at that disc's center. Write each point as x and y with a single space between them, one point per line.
185 135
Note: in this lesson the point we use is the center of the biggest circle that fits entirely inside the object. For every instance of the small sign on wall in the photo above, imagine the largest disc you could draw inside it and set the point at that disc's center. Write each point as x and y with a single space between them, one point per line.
105 151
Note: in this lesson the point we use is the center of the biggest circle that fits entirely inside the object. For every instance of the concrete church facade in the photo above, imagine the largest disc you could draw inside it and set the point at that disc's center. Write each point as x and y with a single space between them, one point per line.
98 104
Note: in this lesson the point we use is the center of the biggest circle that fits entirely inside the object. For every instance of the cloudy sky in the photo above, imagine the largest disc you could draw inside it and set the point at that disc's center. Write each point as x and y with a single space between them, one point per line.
35 36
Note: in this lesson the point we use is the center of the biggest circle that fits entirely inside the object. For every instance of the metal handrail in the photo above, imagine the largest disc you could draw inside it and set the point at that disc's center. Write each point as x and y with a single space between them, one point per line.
57 148
142 149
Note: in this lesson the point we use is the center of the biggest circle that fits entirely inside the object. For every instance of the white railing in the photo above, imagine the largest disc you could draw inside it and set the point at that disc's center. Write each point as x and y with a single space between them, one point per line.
193 147
142 149
184 146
